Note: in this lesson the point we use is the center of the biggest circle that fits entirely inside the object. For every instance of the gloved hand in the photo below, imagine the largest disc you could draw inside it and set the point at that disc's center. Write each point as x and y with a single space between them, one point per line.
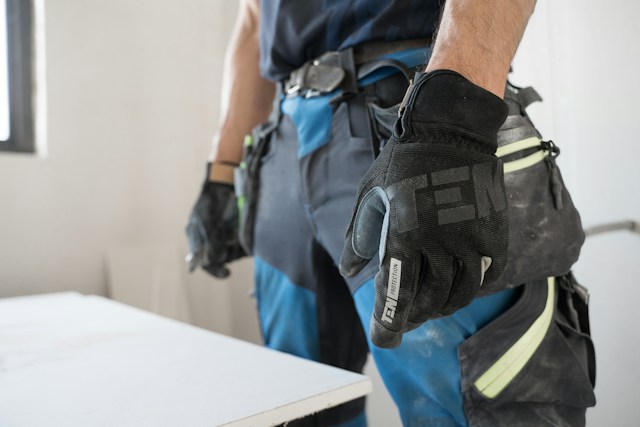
212 230
433 205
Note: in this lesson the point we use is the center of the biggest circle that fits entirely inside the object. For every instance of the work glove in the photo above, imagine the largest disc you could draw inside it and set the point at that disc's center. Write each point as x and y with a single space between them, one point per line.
433 205
212 230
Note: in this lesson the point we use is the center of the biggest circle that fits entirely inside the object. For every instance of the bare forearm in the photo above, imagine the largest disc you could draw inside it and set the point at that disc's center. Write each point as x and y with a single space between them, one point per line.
246 97
479 38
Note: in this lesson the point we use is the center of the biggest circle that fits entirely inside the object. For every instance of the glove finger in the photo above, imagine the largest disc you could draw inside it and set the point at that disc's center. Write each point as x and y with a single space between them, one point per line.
234 252
193 260
194 234
433 288
394 294
217 270
209 256
494 269
215 247
466 283
196 243
367 232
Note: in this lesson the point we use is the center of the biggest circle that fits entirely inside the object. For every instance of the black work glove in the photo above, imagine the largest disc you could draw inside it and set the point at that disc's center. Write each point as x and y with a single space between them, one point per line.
212 230
433 205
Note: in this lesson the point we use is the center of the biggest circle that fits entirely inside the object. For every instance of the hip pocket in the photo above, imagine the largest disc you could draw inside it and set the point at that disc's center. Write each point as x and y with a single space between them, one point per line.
545 230
546 233
535 364
256 151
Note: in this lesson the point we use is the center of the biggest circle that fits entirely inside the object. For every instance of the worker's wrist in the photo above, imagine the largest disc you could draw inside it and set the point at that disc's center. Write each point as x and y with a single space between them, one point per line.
221 171
491 77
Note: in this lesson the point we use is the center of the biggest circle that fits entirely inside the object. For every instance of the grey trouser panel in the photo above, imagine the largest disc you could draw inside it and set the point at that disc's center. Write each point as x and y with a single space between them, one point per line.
303 210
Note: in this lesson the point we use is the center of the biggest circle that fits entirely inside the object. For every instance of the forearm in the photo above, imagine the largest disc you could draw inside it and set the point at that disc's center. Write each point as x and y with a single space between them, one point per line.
246 96
479 38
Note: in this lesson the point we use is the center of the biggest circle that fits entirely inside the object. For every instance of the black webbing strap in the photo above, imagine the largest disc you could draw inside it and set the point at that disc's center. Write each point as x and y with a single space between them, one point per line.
274 118
374 50
349 83
528 96
340 68
523 97
376 64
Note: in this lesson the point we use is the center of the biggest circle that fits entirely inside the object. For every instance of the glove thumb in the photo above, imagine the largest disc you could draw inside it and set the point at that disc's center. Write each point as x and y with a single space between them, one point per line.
367 230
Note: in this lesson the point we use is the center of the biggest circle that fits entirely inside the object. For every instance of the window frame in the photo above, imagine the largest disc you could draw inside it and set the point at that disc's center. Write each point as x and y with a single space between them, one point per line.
20 51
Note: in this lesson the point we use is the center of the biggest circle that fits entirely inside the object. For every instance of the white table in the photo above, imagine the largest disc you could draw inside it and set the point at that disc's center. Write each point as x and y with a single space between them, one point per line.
73 360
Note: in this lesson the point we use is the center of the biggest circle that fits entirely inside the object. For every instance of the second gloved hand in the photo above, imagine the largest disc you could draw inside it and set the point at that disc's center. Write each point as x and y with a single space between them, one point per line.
212 230
433 206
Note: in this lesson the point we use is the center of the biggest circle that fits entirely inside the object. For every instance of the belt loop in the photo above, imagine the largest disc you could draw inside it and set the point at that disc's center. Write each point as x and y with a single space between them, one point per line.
349 84
276 113
277 101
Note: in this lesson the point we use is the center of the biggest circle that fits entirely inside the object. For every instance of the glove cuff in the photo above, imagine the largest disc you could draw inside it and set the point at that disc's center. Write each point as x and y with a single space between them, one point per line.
444 99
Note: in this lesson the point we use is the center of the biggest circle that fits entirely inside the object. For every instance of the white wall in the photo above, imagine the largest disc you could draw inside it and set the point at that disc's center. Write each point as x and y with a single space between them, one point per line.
132 101
133 88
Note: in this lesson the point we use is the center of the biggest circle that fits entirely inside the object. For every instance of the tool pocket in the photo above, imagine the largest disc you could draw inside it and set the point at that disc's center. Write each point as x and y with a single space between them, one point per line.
382 120
247 181
383 101
535 364
545 231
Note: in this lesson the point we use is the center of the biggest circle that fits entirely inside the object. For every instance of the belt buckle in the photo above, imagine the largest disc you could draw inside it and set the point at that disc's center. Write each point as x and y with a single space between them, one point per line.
316 77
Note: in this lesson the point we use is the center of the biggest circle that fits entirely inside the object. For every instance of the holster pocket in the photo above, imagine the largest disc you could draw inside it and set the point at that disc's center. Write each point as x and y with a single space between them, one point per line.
383 101
247 181
383 120
534 365
545 230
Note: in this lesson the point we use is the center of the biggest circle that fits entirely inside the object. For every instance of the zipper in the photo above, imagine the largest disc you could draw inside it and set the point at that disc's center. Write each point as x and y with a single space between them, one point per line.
548 151
554 172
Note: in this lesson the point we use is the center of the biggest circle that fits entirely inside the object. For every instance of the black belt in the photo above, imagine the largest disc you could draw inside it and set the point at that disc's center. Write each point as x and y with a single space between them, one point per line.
342 69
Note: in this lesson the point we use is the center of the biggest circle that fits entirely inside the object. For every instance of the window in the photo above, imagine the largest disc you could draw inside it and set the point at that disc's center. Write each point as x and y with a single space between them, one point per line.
17 74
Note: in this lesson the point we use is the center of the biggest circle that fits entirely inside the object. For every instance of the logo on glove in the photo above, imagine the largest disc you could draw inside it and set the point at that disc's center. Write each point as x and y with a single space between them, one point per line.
393 289
487 186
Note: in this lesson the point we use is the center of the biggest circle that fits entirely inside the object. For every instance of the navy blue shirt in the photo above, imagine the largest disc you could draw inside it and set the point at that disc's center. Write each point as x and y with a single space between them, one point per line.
295 31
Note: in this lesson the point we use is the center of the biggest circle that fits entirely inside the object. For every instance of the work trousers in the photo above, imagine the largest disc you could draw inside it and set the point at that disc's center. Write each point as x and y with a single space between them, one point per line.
506 359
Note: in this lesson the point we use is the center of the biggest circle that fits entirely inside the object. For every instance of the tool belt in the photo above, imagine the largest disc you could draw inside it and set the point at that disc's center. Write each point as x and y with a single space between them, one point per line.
342 69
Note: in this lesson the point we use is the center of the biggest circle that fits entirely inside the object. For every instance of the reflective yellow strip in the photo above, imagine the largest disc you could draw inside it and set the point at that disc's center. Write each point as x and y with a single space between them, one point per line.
523 144
505 369
525 162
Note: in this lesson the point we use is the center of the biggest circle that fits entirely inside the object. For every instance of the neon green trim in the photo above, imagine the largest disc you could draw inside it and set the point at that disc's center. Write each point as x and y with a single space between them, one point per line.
505 369
240 201
248 140
525 162
523 144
